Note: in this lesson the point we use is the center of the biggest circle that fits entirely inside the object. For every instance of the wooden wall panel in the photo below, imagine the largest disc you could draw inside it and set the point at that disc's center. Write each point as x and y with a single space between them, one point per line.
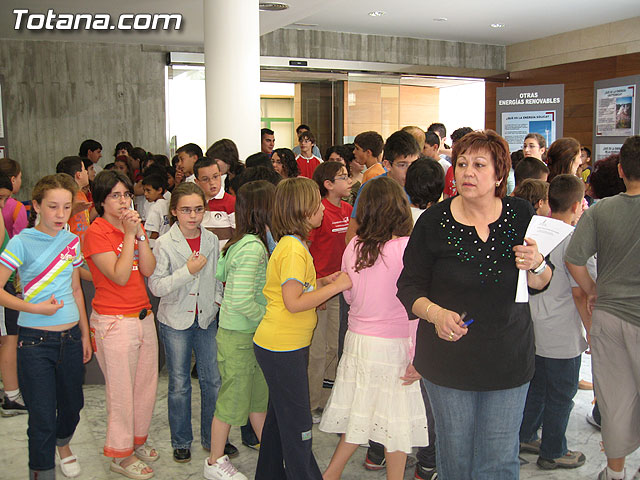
578 79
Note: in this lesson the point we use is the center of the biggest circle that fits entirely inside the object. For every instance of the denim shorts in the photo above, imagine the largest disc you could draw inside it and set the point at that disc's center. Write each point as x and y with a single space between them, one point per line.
244 389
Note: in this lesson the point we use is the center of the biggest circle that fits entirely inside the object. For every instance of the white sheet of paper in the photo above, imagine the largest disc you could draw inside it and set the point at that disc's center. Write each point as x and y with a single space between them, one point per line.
548 233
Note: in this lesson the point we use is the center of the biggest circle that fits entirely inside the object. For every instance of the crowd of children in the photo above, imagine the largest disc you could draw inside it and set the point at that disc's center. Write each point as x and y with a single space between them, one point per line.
281 279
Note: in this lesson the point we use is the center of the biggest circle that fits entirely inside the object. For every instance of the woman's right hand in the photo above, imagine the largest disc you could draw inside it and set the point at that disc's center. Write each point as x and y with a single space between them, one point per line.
449 325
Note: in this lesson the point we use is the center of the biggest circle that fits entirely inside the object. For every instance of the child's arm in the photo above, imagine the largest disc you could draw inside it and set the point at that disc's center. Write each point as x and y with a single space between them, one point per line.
351 230
239 290
47 307
85 275
93 214
296 300
83 323
163 280
580 300
118 268
146 260
581 275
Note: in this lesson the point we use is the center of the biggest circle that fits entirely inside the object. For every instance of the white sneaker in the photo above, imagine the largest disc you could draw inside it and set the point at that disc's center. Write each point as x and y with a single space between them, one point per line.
223 469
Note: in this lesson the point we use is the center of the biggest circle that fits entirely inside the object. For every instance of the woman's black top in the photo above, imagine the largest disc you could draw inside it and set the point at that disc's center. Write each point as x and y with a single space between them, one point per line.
448 263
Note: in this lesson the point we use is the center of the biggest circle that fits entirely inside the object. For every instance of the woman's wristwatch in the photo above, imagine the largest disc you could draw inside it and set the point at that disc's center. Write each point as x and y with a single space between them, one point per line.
540 268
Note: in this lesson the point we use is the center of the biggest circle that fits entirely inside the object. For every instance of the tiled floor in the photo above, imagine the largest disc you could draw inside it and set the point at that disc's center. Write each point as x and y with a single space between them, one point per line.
87 444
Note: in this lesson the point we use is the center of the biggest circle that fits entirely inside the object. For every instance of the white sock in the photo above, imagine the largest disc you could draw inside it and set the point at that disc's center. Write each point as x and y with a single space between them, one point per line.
615 475
14 395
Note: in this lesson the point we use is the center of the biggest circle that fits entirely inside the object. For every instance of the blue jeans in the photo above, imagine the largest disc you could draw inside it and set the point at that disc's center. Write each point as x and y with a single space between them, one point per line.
178 345
549 403
50 373
477 432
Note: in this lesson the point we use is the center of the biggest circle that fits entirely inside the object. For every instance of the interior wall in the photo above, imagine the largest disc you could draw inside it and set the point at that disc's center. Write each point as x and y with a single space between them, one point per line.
578 78
600 41
385 108
58 94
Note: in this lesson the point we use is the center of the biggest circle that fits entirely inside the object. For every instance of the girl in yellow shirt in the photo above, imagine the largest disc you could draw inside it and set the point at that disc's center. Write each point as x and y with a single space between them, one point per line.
282 340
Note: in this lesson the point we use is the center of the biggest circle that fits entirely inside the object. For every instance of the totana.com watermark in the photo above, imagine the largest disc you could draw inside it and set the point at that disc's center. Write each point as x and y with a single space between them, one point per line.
95 21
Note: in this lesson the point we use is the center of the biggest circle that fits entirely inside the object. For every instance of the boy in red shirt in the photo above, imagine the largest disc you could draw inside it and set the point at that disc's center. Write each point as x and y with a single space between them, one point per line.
307 161
327 245
220 217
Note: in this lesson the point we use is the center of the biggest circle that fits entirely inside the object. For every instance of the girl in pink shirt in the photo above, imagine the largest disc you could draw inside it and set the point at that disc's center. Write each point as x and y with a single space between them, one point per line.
374 396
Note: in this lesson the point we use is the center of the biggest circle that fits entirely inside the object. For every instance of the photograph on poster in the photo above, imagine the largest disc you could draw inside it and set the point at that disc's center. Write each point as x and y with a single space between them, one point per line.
2 152
603 150
615 111
516 126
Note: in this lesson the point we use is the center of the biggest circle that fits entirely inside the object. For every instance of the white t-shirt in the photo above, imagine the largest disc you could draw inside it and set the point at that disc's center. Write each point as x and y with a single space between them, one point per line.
557 325
157 219
444 163
416 212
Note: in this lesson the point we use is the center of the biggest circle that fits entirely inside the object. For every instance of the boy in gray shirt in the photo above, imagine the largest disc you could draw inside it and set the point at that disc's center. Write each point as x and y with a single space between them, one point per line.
560 318
611 228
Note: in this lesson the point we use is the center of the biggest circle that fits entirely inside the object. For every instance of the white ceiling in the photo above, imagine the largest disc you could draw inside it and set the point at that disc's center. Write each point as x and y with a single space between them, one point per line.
467 20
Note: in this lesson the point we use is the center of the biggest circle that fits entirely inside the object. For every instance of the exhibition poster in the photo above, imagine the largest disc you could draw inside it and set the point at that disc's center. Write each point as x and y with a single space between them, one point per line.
615 111
516 126
603 150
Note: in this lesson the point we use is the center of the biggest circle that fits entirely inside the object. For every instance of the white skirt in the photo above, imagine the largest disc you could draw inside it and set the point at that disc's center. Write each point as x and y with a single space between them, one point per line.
368 400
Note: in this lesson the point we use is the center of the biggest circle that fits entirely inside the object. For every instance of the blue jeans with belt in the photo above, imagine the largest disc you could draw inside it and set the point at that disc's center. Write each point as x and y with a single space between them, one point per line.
477 432
50 374
178 345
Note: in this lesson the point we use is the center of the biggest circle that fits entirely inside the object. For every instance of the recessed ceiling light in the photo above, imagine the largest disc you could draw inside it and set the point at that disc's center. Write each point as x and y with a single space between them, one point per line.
497 25
273 6
377 13
440 19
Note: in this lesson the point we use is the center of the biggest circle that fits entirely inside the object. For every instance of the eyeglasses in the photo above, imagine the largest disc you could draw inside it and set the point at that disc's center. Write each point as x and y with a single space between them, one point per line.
118 195
213 178
341 177
189 210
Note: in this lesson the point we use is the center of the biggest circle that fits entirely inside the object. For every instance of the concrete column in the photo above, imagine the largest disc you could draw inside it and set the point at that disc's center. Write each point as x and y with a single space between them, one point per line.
232 72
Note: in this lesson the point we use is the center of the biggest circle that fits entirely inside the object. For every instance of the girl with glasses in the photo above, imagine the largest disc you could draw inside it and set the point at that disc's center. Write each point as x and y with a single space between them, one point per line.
122 326
190 296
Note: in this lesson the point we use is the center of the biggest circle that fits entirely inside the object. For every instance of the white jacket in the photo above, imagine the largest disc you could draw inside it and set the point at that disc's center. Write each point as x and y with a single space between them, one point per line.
179 290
